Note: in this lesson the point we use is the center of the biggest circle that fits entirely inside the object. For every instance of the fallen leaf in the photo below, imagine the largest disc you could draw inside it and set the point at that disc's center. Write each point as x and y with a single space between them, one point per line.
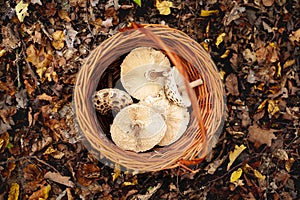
234 14
70 36
207 13
58 39
4 140
64 15
45 97
295 36
163 7
149 193
213 166
236 175
220 39
36 2
138 2
268 3
234 154
58 178
261 136
231 84
21 10
249 56
41 194
258 175
14 191
225 54
31 172
87 173
289 164
117 171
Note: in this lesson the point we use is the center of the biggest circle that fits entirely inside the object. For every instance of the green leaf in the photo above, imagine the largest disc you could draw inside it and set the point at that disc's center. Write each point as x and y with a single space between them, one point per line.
138 2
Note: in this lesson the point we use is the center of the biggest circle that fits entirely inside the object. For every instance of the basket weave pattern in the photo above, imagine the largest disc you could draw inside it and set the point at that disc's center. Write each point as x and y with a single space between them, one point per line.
210 97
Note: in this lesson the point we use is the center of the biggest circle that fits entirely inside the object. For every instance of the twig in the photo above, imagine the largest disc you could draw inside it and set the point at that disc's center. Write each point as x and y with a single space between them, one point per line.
28 158
45 31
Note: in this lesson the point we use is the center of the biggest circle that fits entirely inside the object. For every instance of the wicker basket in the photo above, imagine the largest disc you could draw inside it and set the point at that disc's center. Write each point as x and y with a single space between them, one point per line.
103 65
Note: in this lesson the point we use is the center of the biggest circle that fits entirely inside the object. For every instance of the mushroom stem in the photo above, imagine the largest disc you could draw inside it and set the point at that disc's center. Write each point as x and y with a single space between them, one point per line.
192 84
153 75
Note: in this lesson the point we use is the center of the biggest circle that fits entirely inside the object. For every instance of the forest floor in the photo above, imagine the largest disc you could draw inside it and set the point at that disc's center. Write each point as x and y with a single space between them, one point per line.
255 45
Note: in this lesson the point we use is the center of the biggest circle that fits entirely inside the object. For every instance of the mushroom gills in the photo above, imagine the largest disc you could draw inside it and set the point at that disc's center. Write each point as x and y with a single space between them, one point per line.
137 128
111 99
143 72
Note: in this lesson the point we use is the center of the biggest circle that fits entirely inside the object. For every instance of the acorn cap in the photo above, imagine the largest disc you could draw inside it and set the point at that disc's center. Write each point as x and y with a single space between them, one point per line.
143 72
111 99
137 128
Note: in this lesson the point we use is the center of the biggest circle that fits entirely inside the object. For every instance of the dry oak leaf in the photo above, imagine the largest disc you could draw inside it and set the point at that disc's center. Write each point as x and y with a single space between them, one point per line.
58 178
261 136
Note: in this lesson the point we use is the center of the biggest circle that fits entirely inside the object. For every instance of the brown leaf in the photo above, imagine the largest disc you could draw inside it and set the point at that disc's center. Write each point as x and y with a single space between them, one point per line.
31 172
231 84
58 39
87 173
268 3
261 136
58 178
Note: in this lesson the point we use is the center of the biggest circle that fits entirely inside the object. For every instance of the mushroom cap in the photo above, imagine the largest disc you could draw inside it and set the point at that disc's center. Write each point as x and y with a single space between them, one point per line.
137 128
176 118
111 99
136 69
172 84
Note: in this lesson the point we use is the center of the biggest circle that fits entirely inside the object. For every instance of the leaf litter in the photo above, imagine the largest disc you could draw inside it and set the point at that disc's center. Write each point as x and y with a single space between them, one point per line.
255 45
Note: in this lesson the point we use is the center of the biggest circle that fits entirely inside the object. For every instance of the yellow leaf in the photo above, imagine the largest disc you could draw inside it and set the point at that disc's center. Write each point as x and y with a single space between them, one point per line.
262 106
2 52
49 150
41 194
164 7
4 140
234 154
273 107
21 10
207 13
117 172
225 55
133 182
289 164
258 175
58 40
14 191
236 175
220 39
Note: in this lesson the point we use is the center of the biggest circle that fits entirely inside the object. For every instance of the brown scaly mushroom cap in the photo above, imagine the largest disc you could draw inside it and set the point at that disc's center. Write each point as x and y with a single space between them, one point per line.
143 72
111 99
175 88
137 128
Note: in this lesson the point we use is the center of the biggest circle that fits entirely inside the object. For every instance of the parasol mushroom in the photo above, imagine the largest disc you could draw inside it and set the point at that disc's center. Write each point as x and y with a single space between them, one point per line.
175 88
176 118
143 72
111 99
137 128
